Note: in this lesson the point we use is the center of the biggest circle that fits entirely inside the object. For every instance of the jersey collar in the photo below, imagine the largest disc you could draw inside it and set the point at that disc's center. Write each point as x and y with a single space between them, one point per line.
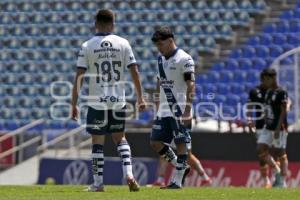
172 54
102 34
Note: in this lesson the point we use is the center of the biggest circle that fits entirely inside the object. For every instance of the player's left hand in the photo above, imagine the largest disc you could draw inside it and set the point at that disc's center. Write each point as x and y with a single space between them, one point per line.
276 134
186 118
141 104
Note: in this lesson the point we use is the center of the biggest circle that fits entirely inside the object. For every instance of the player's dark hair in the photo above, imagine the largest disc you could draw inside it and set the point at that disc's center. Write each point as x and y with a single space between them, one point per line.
268 72
105 16
162 33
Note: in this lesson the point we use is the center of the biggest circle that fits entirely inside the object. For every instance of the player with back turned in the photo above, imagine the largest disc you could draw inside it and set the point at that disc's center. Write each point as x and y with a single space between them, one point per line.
105 57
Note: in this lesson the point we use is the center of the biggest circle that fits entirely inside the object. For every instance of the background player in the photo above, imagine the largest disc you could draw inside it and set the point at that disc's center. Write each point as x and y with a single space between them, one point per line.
176 87
257 96
276 123
105 56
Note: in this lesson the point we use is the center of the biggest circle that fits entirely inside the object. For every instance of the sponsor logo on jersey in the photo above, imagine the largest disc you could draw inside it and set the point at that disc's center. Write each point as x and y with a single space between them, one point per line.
157 127
188 65
117 126
164 83
106 44
109 99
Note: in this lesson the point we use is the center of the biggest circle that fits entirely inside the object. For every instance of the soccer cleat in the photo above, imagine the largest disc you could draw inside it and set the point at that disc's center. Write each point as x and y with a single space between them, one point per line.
206 182
93 188
159 184
171 186
186 172
133 185
267 186
278 180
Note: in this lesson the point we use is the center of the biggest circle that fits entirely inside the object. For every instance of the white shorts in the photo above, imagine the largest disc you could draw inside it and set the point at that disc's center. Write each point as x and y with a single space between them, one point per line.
265 136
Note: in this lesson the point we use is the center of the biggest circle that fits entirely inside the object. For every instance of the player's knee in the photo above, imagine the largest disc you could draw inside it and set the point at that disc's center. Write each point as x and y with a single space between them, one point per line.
156 146
118 137
262 149
280 153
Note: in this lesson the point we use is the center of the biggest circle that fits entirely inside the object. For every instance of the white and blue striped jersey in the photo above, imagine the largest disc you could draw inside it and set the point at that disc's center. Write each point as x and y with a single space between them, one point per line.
105 57
175 67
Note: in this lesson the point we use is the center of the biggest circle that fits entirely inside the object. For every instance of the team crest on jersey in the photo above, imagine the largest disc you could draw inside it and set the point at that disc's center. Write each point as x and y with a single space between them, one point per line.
106 44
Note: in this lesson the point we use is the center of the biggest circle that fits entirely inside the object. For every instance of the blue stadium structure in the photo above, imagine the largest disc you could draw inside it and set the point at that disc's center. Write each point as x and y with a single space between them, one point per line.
40 40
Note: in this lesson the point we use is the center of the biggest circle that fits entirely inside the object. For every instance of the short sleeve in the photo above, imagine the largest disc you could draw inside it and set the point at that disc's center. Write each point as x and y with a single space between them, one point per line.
282 97
188 65
82 60
129 56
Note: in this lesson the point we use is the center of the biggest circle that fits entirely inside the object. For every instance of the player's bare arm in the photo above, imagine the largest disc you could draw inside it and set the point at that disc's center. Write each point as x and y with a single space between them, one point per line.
281 118
187 117
250 121
141 104
76 88
157 92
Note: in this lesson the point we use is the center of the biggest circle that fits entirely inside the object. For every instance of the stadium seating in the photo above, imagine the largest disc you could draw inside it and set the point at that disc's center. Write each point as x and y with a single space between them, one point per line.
41 38
247 61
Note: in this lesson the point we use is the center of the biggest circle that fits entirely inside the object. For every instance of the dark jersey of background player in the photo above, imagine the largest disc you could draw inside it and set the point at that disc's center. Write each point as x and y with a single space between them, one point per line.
257 95
274 100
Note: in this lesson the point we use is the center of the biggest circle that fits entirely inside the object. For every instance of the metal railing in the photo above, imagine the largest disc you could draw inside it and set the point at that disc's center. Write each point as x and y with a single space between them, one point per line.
70 136
22 145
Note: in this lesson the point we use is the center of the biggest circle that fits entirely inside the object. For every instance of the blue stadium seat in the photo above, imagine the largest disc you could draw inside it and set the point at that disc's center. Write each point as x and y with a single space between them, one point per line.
237 88
233 100
265 39
209 88
254 40
279 39
260 5
259 64
245 64
270 28
231 5
236 53
294 26
288 15
223 88
218 66
275 51
293 39
216 5
239 76
226 76
185 5
201 5
231 65
253 76
248 52
226 30
220 99
212 77
283 27
262 51
245 5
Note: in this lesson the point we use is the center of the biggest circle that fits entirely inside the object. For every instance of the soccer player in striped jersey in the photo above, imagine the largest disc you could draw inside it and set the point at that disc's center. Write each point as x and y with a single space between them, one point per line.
176 86
105 57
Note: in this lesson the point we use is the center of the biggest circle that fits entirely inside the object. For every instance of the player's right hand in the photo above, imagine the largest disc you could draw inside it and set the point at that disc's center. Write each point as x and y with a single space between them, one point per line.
141 104
74 113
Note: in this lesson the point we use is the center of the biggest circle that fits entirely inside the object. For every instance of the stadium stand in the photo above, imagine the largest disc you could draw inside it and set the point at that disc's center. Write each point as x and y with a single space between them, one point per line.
40 40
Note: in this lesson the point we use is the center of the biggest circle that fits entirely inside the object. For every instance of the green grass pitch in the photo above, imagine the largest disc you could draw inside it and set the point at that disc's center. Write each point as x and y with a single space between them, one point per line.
56 192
